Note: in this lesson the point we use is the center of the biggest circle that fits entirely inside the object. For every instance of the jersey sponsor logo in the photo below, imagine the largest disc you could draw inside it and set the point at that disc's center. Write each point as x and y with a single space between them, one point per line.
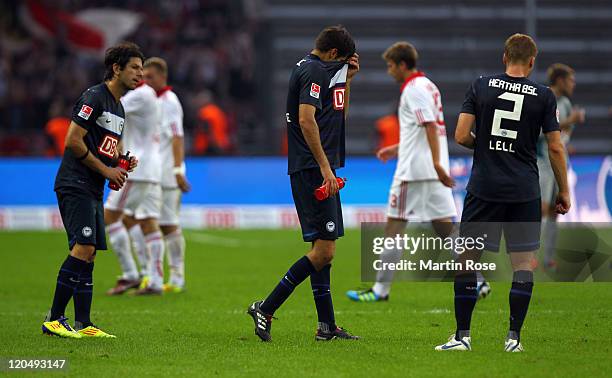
108 146
339 98
315 90
85 112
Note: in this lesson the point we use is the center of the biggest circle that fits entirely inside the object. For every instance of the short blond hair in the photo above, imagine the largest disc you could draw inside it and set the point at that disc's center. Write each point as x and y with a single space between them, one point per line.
158 63
520 48
402 52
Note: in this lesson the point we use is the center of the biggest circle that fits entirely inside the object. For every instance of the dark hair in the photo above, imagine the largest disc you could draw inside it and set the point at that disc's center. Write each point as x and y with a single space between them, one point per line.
519 48
121 55
558 71
402 52
336 37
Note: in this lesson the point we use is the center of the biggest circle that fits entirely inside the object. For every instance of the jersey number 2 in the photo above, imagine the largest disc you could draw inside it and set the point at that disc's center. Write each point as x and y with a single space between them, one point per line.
514 115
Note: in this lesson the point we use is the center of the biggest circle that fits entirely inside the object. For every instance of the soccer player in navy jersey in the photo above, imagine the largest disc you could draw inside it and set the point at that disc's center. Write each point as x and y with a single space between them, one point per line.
317 106
501 119
89 160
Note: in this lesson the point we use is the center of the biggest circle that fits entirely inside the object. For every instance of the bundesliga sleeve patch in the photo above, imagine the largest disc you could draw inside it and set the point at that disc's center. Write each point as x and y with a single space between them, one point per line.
315 90
85 112
557 115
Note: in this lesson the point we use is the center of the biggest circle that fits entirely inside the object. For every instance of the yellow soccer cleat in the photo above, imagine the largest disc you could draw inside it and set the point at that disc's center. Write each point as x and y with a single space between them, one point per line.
144 282
170 288
61 328
93 331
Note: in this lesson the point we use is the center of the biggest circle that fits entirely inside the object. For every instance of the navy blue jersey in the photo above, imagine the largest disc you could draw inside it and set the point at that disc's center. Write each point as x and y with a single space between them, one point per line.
321 84
510 112
103 117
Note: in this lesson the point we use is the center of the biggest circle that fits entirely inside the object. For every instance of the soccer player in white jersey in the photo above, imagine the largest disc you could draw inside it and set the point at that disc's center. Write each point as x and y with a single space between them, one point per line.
421 188
173 180
137 206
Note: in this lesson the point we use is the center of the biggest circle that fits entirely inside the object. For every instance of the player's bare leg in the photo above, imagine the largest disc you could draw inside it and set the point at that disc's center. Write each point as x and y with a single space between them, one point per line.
175 244
120 243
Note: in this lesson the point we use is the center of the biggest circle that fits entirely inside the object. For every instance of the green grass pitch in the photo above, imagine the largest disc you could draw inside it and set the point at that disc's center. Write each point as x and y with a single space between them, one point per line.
205 331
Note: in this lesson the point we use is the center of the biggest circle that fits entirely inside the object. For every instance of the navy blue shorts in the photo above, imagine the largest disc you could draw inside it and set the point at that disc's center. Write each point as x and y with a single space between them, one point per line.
319 219
83 218
520 223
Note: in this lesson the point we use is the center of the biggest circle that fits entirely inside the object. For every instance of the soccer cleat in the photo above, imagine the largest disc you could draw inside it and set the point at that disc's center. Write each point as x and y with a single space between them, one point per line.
61 328
92 331
365 296
453 344
338 333
170 288
263 322
144 282
483 288
513 346
122 286
148 291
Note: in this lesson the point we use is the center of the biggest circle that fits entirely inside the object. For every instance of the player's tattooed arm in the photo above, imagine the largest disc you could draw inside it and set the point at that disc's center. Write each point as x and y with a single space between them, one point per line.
463 132
431 129
74 141
556 155
310 130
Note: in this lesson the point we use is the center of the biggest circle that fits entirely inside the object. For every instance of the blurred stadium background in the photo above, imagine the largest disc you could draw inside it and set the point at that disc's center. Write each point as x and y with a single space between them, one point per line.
230 62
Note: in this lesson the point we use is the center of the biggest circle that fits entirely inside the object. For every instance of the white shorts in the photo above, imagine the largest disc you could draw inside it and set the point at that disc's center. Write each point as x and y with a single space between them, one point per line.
139 199
171 206
420 201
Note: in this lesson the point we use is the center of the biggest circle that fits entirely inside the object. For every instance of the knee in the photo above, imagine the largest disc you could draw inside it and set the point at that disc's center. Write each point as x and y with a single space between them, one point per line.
323 253
84 252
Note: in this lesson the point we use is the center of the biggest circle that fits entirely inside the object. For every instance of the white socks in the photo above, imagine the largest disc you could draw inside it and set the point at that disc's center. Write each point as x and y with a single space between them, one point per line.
155 248
385 277
120 242
140 248
175 242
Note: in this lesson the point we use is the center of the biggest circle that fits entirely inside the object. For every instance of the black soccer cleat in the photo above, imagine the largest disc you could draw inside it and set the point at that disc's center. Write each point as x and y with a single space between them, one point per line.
263 321
338 333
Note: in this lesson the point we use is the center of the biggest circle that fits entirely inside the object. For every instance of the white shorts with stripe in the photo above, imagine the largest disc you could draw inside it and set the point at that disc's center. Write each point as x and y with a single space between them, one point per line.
139 199
420 201
171 206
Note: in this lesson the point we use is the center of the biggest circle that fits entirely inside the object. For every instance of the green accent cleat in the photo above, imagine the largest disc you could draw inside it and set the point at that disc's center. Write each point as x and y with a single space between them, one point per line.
365 296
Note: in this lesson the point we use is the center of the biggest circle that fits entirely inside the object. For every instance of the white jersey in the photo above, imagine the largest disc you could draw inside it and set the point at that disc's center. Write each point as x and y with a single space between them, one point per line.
171 126
141 134
420 103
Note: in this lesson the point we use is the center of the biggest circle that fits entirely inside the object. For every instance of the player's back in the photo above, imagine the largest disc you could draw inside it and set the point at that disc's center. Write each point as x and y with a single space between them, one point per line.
142 132
510 113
